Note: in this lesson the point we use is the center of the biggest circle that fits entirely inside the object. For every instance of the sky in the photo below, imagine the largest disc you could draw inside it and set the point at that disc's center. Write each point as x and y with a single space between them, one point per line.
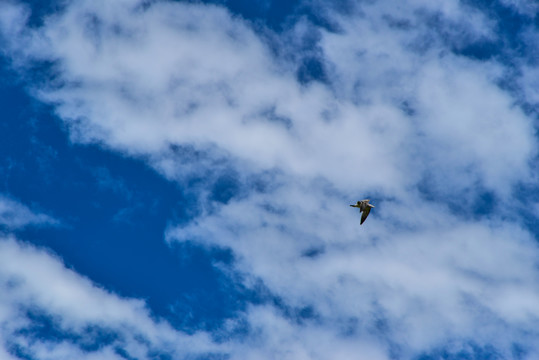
175 179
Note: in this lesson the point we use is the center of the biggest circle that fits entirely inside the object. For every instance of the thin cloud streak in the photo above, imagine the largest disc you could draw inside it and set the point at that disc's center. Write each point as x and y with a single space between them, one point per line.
14 215
402 116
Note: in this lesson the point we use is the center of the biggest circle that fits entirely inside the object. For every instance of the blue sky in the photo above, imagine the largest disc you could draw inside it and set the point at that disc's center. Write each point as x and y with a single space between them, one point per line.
175 179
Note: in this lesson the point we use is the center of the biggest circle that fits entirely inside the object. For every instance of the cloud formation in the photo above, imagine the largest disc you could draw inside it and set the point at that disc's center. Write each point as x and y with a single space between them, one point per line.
402 114
50 312
14 215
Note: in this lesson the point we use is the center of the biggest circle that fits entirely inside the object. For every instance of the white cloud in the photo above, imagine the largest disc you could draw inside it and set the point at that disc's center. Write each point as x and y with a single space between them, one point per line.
193 89
434 282
32 280
14 215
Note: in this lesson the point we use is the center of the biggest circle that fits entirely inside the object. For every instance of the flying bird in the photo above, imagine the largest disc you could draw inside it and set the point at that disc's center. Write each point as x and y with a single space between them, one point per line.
364 207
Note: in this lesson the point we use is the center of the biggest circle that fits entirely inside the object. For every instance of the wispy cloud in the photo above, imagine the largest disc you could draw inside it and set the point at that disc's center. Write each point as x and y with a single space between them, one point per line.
401 115
529 8
14 215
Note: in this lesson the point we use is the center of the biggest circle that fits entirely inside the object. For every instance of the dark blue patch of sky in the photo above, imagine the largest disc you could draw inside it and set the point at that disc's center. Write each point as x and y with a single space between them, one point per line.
113 212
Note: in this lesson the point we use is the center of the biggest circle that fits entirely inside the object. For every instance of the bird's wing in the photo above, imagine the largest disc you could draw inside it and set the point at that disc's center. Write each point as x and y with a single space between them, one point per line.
366 212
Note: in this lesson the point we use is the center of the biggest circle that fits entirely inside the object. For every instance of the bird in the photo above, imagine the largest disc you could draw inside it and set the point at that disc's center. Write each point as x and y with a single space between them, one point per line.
365 208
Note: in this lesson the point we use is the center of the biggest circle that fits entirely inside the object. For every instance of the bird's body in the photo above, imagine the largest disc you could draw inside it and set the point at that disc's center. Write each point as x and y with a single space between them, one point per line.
364 208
